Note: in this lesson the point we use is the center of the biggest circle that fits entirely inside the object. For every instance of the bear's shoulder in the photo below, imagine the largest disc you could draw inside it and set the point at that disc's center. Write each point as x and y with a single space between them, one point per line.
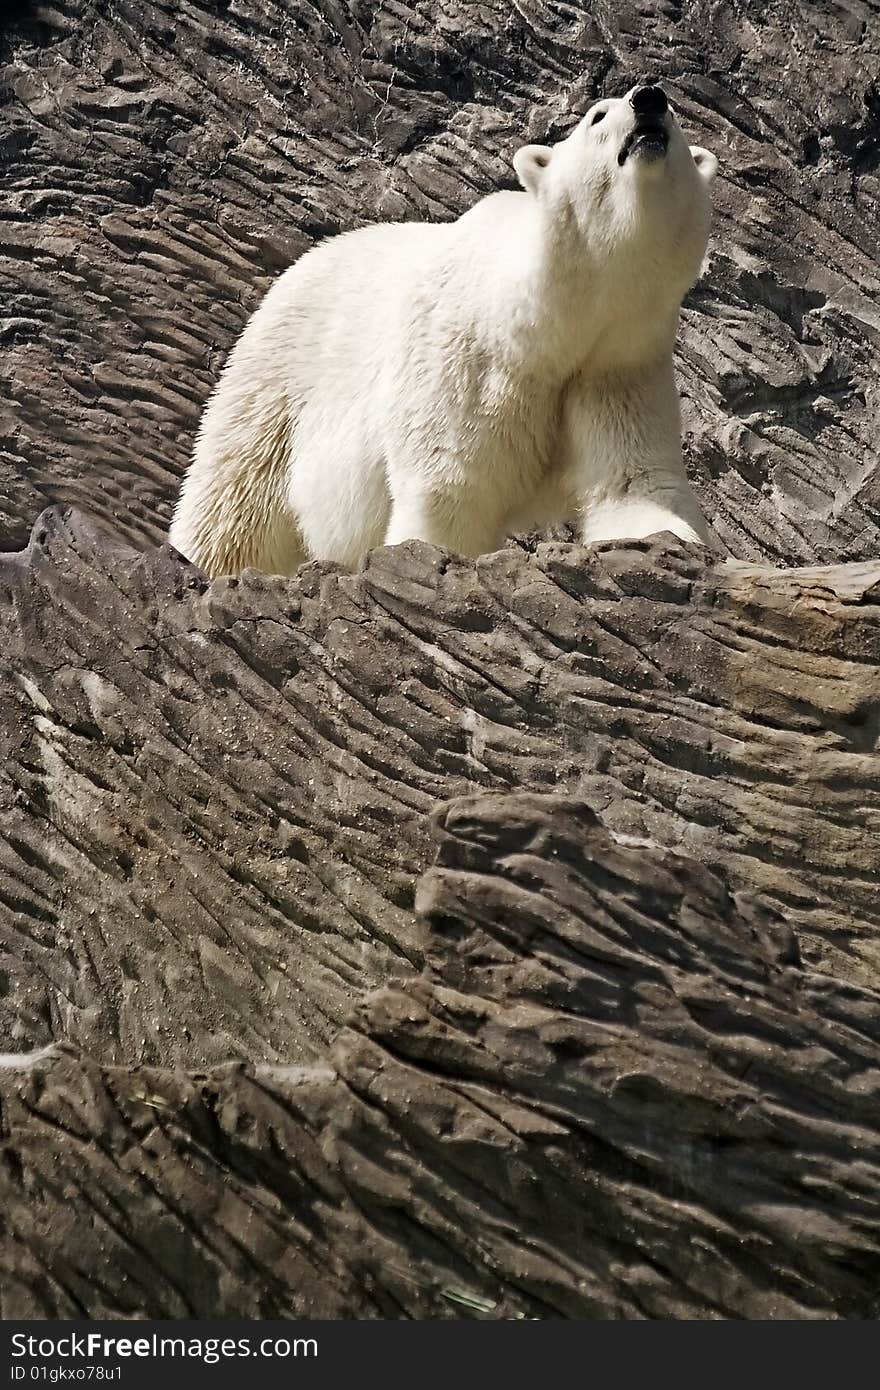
506 208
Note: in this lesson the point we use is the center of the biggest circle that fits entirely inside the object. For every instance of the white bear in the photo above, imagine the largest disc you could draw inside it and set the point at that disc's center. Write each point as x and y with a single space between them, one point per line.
456 382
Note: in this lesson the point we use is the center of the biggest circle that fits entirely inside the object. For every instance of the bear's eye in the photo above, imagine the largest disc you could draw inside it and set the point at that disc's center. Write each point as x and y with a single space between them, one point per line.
597 117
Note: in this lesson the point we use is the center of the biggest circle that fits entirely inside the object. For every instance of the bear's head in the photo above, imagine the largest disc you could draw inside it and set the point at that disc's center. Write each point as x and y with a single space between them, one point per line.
627 181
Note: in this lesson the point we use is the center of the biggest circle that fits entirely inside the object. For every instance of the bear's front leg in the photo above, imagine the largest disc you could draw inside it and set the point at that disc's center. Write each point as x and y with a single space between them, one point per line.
458 520
633 518
623 460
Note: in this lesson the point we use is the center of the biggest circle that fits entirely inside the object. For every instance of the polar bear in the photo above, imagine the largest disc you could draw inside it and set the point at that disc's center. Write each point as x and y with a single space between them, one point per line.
457 382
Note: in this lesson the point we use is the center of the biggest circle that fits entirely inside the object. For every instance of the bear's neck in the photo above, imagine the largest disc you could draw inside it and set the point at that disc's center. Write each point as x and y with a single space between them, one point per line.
571 308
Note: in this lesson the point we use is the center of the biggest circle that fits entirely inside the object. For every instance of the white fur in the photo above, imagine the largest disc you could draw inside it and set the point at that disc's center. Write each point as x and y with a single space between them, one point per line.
456 382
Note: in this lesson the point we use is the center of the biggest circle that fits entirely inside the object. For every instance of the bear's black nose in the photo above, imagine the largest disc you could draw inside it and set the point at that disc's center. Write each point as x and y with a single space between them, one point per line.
648 99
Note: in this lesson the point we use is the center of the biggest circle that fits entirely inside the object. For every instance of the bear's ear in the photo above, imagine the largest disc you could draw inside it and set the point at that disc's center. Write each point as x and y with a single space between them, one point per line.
705 162
530 163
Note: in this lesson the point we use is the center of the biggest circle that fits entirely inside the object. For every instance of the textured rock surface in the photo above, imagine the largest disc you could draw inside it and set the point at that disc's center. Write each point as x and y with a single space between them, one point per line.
215 797
616 1053
595 1074
614 1092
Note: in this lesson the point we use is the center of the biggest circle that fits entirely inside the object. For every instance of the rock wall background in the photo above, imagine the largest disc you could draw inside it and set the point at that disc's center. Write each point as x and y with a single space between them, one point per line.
616 1052
162 162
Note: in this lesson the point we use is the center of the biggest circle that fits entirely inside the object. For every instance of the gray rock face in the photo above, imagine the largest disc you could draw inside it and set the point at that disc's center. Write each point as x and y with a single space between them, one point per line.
455 938
617 1062
613 1092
